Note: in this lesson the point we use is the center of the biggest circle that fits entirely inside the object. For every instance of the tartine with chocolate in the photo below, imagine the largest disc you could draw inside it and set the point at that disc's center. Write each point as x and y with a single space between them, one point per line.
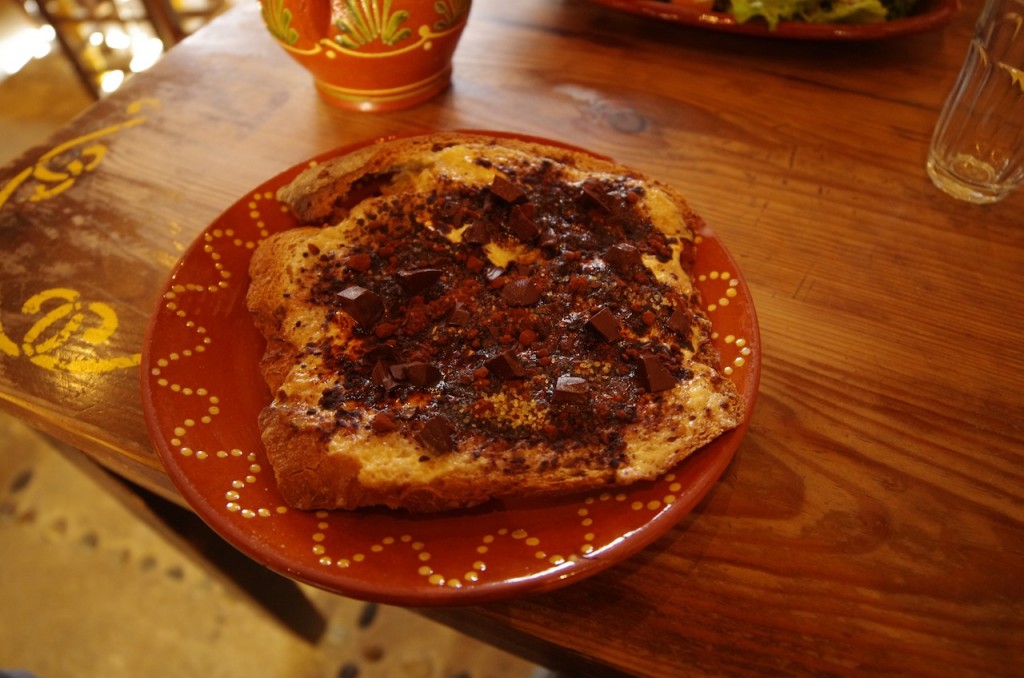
464 317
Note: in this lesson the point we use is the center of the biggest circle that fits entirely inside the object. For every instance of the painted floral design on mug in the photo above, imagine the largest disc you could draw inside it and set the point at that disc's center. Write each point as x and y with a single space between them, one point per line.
371 55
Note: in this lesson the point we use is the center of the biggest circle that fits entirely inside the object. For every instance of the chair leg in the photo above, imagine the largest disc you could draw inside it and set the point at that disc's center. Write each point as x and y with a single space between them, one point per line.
164 20
84 76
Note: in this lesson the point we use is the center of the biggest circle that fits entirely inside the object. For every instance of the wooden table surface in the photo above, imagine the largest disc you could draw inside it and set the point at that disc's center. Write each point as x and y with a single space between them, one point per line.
872 520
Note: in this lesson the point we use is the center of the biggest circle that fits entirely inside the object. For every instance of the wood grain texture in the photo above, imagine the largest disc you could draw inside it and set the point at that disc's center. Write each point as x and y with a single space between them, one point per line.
873 519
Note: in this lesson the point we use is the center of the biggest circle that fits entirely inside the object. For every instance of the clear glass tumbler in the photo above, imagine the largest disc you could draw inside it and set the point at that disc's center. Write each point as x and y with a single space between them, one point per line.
977 149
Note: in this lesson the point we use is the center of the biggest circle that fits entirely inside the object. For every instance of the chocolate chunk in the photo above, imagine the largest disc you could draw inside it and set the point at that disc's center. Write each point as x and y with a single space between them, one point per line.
506 190
418 280
521 223
548 239
654 376
596 191
381 375
680 321
623 258
385 352
417 374
476 234
437 434
364 306
458 214
522 292
572 390
422 374
383 423
505 365
460 316
606 324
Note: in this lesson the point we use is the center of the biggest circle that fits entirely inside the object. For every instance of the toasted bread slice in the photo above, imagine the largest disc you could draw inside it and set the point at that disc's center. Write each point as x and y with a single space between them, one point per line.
483 318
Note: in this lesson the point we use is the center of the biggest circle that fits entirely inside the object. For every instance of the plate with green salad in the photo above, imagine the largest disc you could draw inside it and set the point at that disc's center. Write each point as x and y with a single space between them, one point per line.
800 19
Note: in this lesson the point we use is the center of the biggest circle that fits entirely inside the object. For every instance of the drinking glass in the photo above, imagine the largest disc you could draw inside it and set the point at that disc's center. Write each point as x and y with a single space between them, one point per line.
977 149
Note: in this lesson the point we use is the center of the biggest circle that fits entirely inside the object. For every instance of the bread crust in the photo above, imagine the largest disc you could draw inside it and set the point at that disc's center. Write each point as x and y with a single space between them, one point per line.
322 434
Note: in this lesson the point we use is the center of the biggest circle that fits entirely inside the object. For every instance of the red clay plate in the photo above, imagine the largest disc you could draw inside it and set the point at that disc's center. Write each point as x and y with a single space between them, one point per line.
202 391
928 15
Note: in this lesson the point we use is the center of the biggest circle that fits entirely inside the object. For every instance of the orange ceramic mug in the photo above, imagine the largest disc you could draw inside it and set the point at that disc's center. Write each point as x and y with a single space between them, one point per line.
371 55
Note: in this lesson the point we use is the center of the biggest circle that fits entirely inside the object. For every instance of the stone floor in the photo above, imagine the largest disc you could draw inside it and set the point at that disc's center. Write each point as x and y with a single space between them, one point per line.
87 589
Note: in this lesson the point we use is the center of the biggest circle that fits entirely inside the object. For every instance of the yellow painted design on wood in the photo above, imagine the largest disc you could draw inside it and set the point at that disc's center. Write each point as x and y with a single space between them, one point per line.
53 174
66 333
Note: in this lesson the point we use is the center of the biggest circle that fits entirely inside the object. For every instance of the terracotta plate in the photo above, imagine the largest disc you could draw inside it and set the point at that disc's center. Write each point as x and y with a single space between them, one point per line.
202 392
928 15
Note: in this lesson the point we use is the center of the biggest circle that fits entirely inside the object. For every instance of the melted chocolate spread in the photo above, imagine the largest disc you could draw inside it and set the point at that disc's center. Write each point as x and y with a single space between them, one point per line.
550 353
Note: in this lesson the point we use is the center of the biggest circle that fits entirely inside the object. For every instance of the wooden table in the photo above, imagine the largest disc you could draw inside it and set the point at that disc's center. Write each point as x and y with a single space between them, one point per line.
872 520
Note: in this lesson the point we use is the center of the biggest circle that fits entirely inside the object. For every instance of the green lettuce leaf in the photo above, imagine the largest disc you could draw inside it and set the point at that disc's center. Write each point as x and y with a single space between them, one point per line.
811 11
